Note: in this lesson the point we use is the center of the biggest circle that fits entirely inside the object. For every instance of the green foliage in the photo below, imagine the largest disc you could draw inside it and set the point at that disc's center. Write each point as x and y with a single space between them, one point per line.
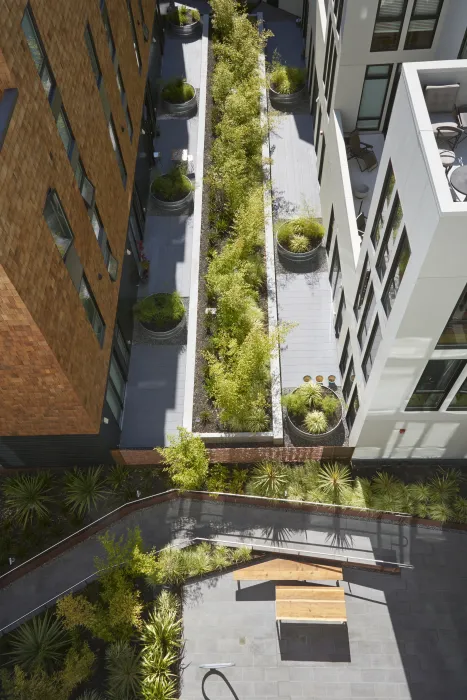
75 611
78 666
123 665
162 310
118 612
39 644
269 479
162 638
121 551
460 510
308 396
315 422
330 406
285 79
225 12
301 234
183 15
36 685
118 477
444 485
90 695
177 91
28 497
84 488
334 480
186 459
218 478
172 186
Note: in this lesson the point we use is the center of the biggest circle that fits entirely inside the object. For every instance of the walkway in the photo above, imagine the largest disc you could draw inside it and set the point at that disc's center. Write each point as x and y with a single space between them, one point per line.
156 383
304 294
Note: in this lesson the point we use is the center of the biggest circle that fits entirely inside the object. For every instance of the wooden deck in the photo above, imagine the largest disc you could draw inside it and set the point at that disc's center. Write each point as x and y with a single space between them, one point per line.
288 570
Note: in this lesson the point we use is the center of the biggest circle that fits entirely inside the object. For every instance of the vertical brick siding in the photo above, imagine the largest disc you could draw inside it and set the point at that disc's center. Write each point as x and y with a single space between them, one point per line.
52 371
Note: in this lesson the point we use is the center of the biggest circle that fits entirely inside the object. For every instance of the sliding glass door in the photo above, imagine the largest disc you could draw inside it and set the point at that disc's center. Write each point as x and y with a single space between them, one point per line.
374 92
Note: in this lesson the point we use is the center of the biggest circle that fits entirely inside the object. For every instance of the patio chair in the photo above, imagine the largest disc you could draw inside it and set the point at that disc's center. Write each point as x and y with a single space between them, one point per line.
451 135
441 104
362 152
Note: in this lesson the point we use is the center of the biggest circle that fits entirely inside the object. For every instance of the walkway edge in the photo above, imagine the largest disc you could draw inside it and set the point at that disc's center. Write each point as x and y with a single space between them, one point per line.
197 216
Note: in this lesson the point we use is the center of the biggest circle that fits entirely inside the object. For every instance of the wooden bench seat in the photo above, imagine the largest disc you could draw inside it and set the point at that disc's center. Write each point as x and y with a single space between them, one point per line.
310 604
288 570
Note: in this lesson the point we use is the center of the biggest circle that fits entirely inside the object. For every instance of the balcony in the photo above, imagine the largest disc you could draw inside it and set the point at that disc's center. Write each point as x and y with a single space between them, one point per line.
360 180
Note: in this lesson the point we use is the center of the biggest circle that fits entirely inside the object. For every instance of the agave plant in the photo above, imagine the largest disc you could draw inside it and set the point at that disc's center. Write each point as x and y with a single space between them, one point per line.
163 628
28 497
269 479
441 511
444 486
117 477
333 481
39 644
123 664
84 488
419 497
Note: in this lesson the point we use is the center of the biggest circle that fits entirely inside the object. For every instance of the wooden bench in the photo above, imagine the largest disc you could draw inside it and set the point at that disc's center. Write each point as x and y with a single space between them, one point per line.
288 570
310 604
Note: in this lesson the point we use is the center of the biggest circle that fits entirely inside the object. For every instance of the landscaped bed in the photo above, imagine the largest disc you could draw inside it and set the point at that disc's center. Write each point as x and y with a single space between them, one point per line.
232 382
122 636
313 411
286 83
299 239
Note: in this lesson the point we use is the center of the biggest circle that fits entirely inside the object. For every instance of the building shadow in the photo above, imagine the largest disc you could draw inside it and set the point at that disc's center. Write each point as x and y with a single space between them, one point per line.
313 642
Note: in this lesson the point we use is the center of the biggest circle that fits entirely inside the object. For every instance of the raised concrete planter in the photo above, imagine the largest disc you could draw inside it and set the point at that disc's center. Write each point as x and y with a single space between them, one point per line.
165 335
176 207
184 30
180 109
313 439
286 101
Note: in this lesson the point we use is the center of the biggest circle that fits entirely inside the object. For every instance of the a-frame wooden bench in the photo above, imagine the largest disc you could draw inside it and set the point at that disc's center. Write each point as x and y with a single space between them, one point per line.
288 570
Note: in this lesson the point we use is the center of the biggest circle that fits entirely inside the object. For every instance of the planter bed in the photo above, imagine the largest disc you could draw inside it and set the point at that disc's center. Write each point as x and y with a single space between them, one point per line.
289 255
180 109
185 30
284 101
176 207
297 430
154 332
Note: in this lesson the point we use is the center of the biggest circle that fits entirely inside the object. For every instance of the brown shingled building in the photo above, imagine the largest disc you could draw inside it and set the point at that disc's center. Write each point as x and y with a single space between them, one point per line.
74 90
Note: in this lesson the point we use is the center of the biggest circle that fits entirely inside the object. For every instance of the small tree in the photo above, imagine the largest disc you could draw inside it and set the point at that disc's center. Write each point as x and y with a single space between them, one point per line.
186 459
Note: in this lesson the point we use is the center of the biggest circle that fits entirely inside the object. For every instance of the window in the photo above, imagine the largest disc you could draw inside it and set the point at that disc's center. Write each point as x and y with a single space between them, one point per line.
133 34
119 78
349 380
392 97
373 97
338 9
330 83
115 395
122 347
340 316
330 231
108 30
129 123
85 185
463 48
362 287
317 129
455 333
65 132
388 25
321 160
423 22
38 54
327 53
390 237
367 317
96 69
111 263
352 410
96 224
384 200
118 152
335 275
459 402
434 385
58 223
345 354
372 350
397 273
91 310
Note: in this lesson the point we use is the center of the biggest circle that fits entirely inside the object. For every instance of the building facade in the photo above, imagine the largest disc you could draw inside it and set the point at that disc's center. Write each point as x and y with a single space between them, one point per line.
395 224
71 134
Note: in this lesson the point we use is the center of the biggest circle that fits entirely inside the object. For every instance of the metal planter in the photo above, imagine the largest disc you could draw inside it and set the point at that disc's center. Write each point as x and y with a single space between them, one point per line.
176 207
182 108
286 101
296 257
318 439
165 335
185 30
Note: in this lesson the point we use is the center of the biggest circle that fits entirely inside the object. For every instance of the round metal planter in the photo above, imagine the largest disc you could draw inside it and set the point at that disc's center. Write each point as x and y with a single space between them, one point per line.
319 438
286 101
176 207
182 108
297 257
185 30
165 335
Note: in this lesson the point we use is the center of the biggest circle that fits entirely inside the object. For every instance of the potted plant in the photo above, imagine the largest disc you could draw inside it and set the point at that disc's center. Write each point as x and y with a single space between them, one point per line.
313 412
161 315
299 239
286 83
184 20
179 97
172 191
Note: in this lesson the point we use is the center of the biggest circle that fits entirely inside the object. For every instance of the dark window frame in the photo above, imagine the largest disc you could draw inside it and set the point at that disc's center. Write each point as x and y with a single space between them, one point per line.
54 199
29 15
463 48
365 277
92 53
462 390
330 231
134 36
349 380
367 315
108 30
385 251
62 113
338 10
385 20
321 160
452 321
352 411
385 297
383 103
329 88
370 348
335 258
101 335
458 366
344 355
383 204
340 316
117 150
414 18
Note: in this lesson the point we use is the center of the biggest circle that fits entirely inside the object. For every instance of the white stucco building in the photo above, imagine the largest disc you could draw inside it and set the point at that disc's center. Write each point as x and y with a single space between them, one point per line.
393 70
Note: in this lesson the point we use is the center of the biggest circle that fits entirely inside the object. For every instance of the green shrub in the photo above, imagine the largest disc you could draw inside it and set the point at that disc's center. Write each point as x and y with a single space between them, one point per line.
172 186
39 643
301 234
218 478
334 480
90 695
123 665
315 422
286 79
306 397
330 406
84 488
177 91
186 459
161 310
28 497
77 668
182 15
269 479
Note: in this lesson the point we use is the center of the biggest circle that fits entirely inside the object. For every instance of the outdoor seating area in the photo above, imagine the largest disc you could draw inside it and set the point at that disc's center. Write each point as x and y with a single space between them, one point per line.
449 123
363 156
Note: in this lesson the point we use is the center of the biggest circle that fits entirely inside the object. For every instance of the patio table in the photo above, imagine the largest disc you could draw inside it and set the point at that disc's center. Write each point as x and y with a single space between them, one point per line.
458 179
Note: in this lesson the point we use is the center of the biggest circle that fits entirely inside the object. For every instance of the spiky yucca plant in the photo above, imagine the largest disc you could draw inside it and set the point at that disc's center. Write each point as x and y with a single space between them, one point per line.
84 488
334 479
460 510
159 687
123 664
444 486
28 497
39 644
269 479
299 243
315 422
118 477
90 695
